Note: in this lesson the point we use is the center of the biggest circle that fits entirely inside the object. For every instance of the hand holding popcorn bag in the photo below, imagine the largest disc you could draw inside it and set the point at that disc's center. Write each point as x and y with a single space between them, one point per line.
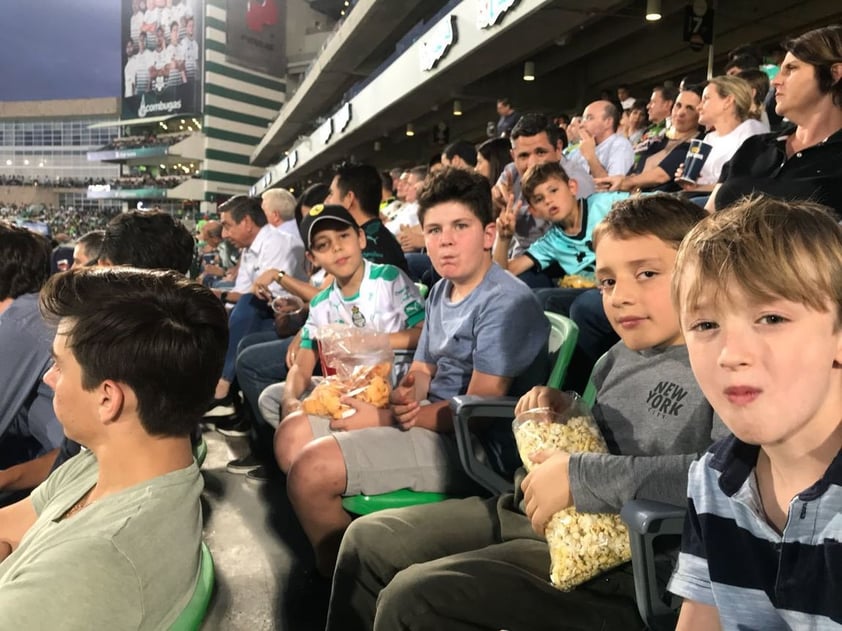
582 545
358 363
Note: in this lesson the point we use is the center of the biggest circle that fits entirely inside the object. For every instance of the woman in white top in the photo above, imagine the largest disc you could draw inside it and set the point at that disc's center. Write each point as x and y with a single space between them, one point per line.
726 107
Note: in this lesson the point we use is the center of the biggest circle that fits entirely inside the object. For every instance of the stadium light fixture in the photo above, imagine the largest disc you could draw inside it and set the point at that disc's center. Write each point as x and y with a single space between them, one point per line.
457 108
653 10
410 130
529 71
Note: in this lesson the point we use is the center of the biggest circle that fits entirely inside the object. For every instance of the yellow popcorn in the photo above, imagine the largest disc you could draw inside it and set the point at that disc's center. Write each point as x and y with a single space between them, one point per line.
582 545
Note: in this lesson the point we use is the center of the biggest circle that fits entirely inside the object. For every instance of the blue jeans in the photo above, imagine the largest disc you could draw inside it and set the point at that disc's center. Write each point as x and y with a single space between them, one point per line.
250 315
261 361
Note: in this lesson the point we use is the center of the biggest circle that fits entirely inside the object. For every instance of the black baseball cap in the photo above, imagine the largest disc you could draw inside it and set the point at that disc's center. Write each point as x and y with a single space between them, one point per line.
320 212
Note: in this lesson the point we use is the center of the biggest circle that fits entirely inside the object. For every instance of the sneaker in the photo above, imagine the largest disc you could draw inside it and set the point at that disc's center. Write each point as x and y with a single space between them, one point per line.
221 407
243 465
235 425
258 475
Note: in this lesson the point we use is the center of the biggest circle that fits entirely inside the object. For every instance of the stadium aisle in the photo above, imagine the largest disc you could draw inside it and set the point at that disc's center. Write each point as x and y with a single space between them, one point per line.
264 576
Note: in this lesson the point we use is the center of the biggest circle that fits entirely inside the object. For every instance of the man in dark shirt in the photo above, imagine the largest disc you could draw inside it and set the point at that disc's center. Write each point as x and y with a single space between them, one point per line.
357 188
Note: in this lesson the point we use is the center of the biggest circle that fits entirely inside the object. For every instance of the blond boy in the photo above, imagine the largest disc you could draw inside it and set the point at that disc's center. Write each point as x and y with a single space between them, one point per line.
759 288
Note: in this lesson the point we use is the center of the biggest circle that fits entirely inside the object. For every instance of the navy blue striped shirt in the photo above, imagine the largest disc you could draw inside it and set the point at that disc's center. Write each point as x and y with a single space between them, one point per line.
733 559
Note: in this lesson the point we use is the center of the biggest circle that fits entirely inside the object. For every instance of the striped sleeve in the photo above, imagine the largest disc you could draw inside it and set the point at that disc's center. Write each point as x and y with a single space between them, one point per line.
691 578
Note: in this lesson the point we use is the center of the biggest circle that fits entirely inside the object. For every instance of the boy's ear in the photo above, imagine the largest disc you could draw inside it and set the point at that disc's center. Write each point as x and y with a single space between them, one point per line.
309 257
573 185
836 72
361 238
111 400
489 235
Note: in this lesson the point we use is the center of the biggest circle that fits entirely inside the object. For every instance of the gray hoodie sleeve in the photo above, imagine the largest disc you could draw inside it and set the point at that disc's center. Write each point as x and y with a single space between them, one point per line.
656 422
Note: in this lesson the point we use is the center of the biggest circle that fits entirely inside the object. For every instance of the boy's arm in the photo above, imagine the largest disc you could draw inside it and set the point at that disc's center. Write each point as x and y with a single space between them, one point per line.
298 380
698 617
437 416
406 339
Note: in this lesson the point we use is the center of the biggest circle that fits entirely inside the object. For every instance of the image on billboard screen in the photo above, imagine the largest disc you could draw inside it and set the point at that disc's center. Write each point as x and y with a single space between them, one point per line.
162 65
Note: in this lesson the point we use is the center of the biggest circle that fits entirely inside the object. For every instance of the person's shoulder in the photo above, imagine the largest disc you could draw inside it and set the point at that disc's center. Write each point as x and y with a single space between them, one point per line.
322 296
600 203
382 271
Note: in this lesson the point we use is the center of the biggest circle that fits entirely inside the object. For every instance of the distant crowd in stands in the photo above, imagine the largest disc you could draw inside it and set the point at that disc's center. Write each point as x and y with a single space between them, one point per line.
148 140
73 222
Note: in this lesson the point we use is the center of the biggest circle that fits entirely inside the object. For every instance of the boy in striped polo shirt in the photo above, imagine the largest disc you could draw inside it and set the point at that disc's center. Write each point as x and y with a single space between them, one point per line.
759 288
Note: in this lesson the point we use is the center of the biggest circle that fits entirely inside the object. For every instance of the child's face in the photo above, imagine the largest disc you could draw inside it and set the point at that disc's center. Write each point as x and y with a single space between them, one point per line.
339 252
555 200
766 368
634 275
457 242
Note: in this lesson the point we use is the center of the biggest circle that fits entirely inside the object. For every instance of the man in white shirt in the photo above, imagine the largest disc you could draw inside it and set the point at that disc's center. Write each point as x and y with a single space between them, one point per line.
130 70
190 49
603 151
244 224
279 207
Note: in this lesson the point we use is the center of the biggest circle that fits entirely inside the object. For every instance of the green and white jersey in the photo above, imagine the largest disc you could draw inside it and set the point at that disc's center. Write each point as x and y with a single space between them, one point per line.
388 301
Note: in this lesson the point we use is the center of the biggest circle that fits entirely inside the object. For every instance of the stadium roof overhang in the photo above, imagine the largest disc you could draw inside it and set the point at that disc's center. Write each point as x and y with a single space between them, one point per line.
149 120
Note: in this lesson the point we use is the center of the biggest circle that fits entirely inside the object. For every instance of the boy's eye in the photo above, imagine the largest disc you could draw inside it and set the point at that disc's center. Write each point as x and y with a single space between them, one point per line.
704 325
605 284
772 319
461 226
646 274
432 230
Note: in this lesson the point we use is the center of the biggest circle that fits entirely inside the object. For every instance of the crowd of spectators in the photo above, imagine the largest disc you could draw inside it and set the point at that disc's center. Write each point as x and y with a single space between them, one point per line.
70 221
588 216
147 140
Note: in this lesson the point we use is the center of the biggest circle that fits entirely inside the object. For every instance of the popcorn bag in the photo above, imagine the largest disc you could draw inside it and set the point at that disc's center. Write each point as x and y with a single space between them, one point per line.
582 545
358 363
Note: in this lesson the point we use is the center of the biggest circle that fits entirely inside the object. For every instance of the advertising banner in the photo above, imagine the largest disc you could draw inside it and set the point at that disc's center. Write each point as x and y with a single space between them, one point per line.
162 57
256 35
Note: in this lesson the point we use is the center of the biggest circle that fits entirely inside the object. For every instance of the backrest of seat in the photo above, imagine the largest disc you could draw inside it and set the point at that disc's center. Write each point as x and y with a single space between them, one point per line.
194 613
562 342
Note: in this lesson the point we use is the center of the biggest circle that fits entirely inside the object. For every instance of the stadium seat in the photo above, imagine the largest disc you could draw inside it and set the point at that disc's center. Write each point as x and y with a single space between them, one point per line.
194 613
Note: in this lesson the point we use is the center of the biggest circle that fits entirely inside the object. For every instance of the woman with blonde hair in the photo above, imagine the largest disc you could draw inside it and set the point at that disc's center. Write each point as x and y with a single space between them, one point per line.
726 108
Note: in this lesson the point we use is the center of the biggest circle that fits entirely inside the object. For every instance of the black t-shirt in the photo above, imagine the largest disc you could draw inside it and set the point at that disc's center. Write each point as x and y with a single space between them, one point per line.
760 165
382 246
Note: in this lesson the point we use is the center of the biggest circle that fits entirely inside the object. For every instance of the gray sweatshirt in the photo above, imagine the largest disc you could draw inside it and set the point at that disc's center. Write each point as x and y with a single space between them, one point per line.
655 420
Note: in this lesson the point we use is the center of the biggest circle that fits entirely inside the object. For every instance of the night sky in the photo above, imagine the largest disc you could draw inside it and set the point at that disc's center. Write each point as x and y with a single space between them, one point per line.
60 49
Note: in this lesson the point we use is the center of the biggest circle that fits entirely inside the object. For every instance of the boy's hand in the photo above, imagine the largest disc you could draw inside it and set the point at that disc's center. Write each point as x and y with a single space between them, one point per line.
365 415
546 489
290 406
402 400
543 397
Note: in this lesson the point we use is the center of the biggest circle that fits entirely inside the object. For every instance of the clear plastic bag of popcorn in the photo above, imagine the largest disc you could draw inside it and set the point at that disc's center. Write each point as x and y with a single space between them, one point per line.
582 545
357 362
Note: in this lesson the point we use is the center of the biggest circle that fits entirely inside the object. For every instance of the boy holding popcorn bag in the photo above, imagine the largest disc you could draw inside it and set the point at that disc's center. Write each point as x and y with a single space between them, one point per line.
484 563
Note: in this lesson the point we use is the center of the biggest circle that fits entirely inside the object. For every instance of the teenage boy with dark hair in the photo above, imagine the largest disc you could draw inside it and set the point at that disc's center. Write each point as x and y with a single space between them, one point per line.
484 563
112 538
25 402
761 539
87 248
483 327
460 154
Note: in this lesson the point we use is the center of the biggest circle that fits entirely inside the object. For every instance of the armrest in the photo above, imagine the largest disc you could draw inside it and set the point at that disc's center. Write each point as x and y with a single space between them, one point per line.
647 520
465 408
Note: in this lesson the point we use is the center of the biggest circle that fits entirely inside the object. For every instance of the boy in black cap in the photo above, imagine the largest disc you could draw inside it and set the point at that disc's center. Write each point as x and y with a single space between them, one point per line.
364 294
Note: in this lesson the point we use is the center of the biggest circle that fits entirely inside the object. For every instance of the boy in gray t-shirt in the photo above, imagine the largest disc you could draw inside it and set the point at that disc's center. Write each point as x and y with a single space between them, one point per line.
401 569
483 328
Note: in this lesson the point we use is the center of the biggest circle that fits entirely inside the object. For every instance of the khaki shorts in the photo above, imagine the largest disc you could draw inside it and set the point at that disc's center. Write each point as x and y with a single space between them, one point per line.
383 459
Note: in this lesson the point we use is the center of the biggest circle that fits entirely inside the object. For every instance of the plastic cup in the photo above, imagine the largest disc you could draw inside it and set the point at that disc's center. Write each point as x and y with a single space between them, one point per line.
695 160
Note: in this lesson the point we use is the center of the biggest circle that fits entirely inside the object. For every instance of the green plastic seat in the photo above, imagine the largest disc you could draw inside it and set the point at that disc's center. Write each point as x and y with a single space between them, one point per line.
365 504
422 289
560 346
200 452
193 614
562 342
